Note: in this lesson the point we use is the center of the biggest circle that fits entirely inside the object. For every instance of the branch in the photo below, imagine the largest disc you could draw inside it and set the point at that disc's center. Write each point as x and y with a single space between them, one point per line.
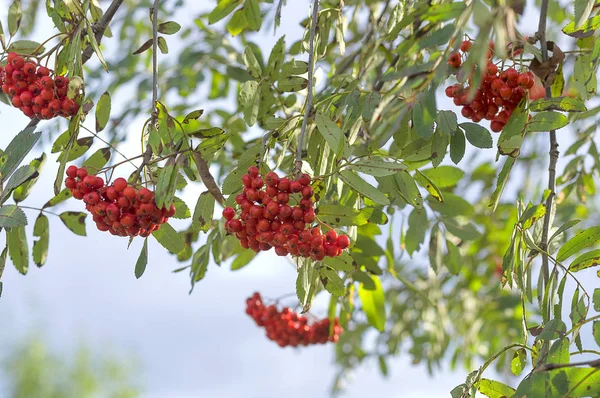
551 366
541 34
309 96
99 28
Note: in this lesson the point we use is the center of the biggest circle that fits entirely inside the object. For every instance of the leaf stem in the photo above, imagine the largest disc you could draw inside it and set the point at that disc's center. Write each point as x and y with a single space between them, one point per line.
38 209
551 366
309 95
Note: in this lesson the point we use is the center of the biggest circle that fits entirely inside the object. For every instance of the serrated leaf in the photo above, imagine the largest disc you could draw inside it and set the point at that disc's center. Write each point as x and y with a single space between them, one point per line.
103 108
408 188
466 231
193 115
165 188
18 248
3 260
454 260
142 261
12 216
242 259
477 135
546 121
564 104
373 302
363 187
291 84
276 59
331 132
585 29
444 176
61 197
21 176
15 14
203 212
92 39
249 100
494 389
344 262
169 238
223 8
169 27
579 242
181 210
424 114
41 229
335 284
294 67
596 299
446 122
453 206
26 47
200 264
457 146
337 215
75 221
306 284
531 215
377 167
518 362
563 228
16 151
237 23
22 191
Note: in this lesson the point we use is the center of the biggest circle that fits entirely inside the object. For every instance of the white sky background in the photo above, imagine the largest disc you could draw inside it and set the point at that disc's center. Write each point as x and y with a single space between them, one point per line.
199 345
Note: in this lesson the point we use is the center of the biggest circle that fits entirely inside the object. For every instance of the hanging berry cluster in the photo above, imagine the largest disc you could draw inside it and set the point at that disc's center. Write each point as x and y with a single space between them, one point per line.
288 328
498 95
119 208
267 220
33 90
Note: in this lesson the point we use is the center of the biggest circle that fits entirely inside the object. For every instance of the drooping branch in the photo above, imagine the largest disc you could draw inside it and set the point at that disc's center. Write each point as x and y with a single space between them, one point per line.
541 35
309 96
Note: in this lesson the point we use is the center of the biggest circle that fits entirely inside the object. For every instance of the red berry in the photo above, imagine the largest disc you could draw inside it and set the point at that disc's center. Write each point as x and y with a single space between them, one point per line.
297 214
253 171
467 112
72 171
295 187
454 60
29 68
465 46
18 62
257 183
331 236
343 241
449 92
304 179
47 95
43 71
130 193
283 197
284 185
505 92
70 182
82 173
228 213
523 80
496 126
272 179
145 195
47 82
61 81
120 184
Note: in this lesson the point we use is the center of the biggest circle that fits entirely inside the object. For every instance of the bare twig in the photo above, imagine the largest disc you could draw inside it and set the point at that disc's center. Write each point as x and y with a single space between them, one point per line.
309 96
541 34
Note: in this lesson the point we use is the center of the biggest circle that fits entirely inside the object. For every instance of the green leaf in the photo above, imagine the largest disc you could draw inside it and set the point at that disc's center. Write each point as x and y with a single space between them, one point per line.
554 329
3 260
224 8
417 228
408 188
61 197
429 185
377 167
252 63
16 151
579 242
169 238
162 45
457 146
439 147
477 135
243 259
334 284
344 262
41 229
97 160
563 228
75 221
363 187
373 302
147 45
142 261
586 260
337 215
18 248
249 100
453 206
253 15
330 131
12 216
518 362
21 176
203 212
22 191
454 260
501 183
291 84
26 47
169 27
237 23
181 210
494 389
583 9
294 67
276 59
103 111
564 104
511 138
193 115
366 281
306 284
424 114
531 215
200 264
572 382
444 176
546 121
446 122
596 331
466 231
165 188
596 299
583 30
92 39
15 13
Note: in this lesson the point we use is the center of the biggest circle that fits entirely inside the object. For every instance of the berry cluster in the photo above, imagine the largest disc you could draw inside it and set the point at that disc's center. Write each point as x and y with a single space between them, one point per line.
119 208
34 91
267 220
497 96
289 328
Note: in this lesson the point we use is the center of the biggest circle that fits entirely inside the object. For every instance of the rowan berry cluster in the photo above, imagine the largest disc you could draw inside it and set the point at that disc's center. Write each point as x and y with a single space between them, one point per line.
498 94
34 91
119 208
267 220
288 328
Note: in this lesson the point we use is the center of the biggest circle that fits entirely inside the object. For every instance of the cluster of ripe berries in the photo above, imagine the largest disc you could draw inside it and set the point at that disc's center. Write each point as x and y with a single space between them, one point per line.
119 208
267 220
34 91
498 95
289 328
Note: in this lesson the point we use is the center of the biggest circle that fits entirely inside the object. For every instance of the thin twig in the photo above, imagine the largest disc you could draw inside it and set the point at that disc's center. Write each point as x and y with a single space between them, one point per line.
309 96
551 366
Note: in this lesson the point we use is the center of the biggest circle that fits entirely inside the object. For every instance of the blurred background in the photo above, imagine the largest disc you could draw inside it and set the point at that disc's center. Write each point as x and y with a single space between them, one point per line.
83 324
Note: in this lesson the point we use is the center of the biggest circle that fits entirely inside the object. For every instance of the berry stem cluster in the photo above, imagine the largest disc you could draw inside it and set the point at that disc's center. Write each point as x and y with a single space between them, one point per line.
34 90
119 208
267 220
288 328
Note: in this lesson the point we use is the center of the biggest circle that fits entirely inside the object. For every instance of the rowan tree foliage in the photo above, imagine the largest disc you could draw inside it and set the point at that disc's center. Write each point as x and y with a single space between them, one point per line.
419 144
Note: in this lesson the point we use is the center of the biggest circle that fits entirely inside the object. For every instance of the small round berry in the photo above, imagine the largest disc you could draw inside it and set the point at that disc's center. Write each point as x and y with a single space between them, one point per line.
43 71
82 173
229 213
343 241
284 185
257 183
61 81
70 182
120 184
18 62
331 236
496 126
72 171
271 179
145 195
283 197
253 171
465 46
47 82
130 193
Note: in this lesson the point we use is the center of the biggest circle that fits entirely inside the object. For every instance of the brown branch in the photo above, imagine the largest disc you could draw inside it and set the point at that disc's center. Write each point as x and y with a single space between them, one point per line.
309 95
207 178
